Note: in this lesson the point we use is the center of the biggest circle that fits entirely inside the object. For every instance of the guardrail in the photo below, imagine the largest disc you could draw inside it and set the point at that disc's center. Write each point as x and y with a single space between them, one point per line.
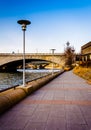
31 54
17 85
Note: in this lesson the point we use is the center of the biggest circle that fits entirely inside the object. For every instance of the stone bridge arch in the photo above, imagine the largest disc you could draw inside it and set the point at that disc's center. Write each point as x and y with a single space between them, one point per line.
16 59
18 64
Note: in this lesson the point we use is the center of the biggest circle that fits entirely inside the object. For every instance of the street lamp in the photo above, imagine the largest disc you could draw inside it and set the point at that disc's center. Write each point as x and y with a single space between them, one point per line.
23 23
53 60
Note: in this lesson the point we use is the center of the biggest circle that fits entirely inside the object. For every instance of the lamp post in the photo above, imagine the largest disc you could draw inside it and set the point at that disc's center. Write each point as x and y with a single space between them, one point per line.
24 23
53 60
73 60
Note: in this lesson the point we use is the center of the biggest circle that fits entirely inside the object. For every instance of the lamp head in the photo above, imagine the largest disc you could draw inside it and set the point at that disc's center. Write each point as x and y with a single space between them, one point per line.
23 23
53 50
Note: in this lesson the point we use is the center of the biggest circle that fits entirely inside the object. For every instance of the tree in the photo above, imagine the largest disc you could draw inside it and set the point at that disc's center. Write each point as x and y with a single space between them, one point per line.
69 54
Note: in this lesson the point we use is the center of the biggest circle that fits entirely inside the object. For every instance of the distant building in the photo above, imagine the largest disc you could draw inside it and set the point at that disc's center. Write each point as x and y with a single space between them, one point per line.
86 49
86 52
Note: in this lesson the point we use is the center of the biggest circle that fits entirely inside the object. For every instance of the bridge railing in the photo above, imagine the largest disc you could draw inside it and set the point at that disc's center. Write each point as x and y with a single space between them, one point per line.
2 54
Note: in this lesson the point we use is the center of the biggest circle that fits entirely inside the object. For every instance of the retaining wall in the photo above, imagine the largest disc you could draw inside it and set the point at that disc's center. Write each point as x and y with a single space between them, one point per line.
12 96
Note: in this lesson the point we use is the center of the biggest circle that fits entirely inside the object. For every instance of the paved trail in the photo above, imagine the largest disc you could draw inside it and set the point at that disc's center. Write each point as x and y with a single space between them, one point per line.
63 104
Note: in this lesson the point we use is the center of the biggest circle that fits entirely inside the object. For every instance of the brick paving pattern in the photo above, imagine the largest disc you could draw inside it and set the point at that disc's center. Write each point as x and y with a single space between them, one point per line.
62 104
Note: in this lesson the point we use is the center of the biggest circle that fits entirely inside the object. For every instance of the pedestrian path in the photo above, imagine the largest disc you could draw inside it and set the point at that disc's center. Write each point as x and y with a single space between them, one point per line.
62 104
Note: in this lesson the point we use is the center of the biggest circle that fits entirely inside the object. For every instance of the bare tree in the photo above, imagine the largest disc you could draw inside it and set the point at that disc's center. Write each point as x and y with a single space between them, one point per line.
69 54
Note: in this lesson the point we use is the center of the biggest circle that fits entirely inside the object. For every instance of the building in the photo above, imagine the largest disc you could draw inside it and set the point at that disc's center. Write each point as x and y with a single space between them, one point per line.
86 49
86 52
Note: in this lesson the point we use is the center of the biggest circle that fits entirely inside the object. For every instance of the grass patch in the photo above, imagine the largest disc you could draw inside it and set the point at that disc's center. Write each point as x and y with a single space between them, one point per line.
83 72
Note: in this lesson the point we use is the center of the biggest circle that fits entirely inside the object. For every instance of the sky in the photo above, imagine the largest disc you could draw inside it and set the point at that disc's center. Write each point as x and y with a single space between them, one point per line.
53 24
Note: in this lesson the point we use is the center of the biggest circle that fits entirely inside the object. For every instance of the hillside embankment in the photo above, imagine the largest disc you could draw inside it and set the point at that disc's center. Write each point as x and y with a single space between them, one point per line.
84 72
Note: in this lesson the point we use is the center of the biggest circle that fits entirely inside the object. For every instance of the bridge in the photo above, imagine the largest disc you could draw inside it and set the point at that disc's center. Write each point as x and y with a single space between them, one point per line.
12 61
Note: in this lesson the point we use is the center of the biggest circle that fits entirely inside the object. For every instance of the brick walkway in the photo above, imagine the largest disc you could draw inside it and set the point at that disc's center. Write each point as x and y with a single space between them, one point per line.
63 104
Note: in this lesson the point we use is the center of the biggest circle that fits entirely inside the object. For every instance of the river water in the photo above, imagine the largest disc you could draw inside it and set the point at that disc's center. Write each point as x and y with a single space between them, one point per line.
8 80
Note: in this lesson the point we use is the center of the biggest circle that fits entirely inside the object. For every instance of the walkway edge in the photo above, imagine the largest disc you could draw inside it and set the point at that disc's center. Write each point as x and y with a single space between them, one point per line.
11 97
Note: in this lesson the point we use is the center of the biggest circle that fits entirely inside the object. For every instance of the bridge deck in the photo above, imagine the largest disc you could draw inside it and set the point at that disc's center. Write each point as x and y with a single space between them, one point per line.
63 104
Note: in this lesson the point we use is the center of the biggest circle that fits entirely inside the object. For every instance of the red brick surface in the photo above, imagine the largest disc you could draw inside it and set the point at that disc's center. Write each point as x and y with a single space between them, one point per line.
62 104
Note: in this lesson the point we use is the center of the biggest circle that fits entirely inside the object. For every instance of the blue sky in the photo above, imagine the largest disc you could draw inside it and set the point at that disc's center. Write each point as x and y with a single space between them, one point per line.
53 23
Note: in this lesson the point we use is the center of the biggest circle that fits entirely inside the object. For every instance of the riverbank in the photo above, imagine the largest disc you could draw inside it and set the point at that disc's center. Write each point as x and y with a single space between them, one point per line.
7 80
83 72
13 96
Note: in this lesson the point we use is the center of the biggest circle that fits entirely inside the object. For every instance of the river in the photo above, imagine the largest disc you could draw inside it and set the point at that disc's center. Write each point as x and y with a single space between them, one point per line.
8 80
